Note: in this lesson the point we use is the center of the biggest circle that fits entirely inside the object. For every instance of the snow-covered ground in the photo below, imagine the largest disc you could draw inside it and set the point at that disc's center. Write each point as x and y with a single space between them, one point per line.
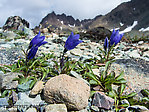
128 29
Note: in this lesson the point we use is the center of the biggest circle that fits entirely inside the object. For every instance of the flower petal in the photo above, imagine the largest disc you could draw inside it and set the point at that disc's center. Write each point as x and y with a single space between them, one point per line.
32 53
106 44
41 43
115 37
72 41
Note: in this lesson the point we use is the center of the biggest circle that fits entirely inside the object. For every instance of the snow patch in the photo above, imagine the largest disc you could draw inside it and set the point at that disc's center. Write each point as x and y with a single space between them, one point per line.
121 24
144 29
115 29
71 25
128 29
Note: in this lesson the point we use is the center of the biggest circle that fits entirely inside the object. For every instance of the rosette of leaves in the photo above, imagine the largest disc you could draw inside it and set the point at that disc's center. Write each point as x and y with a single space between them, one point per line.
106 79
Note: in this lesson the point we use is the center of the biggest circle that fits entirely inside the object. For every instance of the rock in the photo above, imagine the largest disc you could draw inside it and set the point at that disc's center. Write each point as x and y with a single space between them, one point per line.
28 31
13 97
12 109
96 34
24 87
136 72
95 108
134 54
31 110
140 42
137 107
3 109
15 23
24 99
1 79
45 30
102 101
76 75
7 82
69 90
56 108
9 34
144 46
146 54
76 52
37 88
7 45
3 102
10 56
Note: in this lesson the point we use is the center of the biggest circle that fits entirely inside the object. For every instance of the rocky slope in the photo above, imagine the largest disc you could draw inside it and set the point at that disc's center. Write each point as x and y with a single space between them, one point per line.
125 14
133 59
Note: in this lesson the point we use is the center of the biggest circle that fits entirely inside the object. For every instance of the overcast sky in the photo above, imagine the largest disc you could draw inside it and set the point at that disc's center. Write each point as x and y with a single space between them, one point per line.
34 10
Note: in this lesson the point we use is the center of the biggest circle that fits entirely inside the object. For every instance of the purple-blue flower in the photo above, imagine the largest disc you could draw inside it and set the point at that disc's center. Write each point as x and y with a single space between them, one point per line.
115 37
72 41
106 44
32 53
36 42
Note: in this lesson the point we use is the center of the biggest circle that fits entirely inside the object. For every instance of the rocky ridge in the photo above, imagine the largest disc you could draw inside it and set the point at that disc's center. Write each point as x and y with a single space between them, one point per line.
15 23
124 15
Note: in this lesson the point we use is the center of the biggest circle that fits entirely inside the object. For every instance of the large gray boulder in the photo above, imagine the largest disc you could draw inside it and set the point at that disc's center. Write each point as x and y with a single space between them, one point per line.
74 93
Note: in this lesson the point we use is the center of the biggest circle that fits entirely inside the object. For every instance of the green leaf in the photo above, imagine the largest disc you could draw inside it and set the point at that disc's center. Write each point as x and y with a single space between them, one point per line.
4 93
32 83
112 94
92 93
93 82
16 79
7 66
33 64
31 78
92 76
89 68
124 105
131 94
122 81
122 88
21 68
145 92
108 87
107 65
119 77
145 99
43 75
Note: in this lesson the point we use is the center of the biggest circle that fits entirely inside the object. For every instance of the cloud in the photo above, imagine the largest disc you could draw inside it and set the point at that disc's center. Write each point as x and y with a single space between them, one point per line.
34 10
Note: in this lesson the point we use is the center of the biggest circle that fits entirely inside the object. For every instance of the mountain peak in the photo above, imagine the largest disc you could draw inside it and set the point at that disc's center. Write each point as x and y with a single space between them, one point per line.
121 17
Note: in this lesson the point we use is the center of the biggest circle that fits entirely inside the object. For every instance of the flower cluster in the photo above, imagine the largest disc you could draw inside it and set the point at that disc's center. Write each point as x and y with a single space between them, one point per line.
72 42
36 42
114 39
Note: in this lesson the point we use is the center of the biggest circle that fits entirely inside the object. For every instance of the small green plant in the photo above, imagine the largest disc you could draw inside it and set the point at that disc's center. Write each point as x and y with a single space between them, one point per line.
106 79
119 96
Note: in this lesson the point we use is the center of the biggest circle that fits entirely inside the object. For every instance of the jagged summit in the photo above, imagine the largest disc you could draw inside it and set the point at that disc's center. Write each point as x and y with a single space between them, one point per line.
134 13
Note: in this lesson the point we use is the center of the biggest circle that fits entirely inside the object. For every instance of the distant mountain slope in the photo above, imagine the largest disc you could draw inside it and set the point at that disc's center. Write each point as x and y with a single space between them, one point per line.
121 17
125 14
